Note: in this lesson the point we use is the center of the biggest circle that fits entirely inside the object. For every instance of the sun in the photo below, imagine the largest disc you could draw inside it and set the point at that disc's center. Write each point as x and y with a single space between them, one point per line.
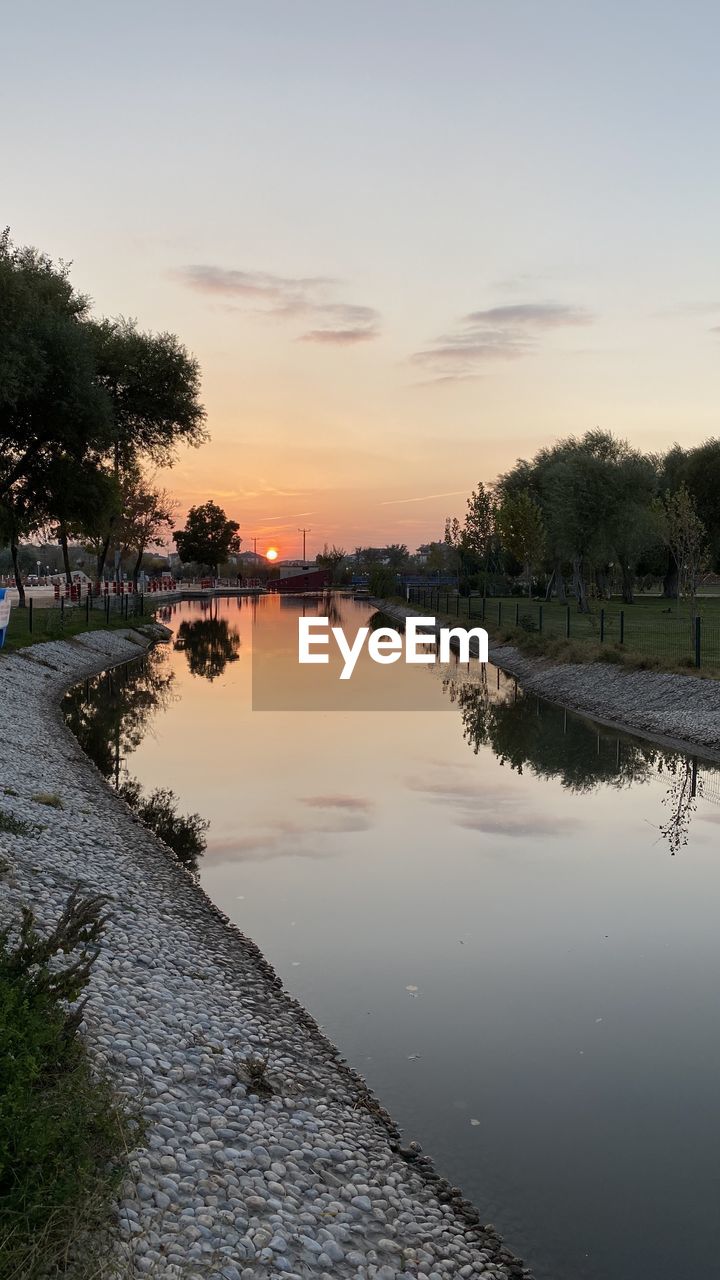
271 554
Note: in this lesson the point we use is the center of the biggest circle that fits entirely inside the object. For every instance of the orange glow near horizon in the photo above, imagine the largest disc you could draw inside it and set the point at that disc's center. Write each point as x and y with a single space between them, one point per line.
271 554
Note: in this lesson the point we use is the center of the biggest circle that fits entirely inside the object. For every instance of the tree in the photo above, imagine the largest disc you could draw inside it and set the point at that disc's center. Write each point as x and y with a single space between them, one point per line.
686 538
331 558
208 537
479 528
51 401
396 556
16 522
77 498
452 539
522 531
635 526
146 516
152 385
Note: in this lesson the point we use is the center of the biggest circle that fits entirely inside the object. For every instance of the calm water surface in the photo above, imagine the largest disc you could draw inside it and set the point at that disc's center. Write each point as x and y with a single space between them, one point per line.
504 916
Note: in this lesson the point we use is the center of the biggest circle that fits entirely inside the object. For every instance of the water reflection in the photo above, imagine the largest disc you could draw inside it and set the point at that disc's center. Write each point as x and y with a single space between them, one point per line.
525 732
209 645
110 715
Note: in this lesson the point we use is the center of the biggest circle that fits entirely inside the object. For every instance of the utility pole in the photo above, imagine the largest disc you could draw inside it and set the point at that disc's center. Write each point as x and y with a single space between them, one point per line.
303 532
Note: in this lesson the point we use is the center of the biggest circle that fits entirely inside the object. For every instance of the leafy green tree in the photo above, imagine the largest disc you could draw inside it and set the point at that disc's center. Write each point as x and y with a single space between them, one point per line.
702 477
76 497
208 537
685 536
635 529
479 528
51 401
146 515
153 386
522 531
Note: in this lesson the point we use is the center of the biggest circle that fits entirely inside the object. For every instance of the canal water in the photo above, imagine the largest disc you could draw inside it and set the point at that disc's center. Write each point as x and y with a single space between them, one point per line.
504 915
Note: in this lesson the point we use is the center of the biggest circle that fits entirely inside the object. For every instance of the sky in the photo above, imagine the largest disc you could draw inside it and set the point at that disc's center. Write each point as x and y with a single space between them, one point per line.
408 240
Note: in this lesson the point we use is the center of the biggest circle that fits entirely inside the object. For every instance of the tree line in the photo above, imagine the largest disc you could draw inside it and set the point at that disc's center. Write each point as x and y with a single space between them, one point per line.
89 407
590 511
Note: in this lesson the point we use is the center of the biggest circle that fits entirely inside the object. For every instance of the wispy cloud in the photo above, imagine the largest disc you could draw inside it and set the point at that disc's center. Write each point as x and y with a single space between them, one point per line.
310 299
496 333
425 497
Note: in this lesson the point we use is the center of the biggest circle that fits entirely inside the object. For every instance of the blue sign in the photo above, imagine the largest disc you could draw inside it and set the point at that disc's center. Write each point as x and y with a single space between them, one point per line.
4 613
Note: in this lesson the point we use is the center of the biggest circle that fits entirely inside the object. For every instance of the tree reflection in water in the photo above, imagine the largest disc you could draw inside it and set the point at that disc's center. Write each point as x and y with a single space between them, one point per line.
525 732
110 715
209 645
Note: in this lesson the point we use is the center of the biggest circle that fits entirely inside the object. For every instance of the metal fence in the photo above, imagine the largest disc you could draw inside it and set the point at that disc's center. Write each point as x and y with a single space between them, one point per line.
680 641
52 619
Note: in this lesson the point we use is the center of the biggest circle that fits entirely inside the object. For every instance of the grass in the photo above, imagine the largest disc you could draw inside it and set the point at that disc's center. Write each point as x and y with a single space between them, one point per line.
657 635
54 624
64 1137
49 798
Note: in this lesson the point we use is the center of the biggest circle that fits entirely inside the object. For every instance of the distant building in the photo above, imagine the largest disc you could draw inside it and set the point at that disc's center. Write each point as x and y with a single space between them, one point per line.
301 578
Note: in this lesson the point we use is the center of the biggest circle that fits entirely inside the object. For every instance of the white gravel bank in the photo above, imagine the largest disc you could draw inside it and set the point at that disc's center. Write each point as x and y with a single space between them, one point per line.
310 1182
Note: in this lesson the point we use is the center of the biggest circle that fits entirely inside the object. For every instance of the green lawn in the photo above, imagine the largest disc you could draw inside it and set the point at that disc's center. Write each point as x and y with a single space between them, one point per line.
57 624
652 631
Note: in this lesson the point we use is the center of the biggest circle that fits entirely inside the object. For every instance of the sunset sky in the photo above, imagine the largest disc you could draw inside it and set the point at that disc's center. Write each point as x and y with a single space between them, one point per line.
408 241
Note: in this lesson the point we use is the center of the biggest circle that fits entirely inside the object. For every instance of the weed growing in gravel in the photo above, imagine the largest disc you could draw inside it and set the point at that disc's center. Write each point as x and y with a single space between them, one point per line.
49 798
16 826
9 791
253 1070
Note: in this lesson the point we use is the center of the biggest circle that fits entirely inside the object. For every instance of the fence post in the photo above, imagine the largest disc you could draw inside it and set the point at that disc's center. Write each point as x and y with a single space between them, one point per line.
567 621
30 614
602 625
540 617
697 641
87 610
622 626
499 612
62 611
517 615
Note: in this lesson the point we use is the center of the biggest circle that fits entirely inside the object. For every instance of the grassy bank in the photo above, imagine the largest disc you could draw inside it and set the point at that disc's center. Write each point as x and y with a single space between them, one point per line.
54 624
652 634
63 1135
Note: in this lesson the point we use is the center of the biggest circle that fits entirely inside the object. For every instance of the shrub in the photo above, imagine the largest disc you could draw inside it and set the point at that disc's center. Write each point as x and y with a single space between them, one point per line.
184 833
16 826
63 1136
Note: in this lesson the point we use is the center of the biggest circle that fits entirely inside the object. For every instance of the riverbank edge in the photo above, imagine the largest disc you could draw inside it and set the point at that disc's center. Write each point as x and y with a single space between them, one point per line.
102 651
676 711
